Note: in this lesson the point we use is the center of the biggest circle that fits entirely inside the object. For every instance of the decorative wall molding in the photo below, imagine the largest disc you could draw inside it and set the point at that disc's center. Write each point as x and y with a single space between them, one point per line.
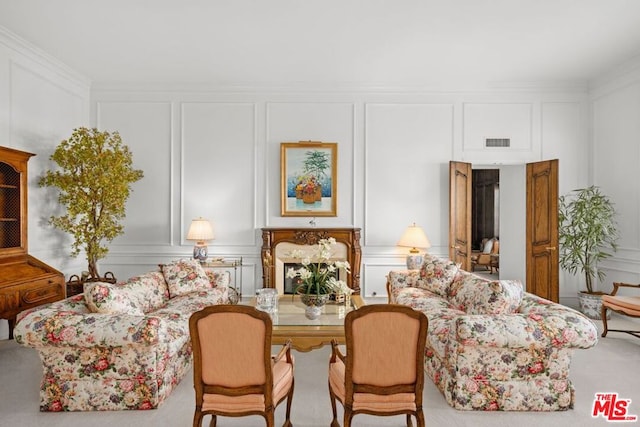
26 50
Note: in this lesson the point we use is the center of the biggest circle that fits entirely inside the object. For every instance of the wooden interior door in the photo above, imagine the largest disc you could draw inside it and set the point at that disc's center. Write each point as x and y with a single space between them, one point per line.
542 229
460 213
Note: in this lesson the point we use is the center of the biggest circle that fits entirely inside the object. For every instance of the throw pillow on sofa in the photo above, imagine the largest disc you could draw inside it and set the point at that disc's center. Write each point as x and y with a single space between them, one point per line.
437 274
107 298
185 276
475 295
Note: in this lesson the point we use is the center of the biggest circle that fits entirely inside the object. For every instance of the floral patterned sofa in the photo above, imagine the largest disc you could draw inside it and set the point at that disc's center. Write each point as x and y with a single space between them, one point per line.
490 345
123 346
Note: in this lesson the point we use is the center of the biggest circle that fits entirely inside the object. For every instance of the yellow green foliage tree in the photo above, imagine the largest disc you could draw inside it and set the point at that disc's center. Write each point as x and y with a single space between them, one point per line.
94 179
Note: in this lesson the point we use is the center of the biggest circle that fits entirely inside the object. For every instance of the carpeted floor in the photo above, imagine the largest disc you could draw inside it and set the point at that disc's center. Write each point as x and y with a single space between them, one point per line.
612 366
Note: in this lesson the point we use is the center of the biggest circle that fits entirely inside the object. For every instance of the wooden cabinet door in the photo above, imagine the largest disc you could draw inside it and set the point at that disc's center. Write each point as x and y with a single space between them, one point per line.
542 229
460 213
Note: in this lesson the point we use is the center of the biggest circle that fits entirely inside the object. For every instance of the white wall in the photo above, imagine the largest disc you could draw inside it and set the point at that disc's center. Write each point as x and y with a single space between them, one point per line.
615 106
216 153
41 101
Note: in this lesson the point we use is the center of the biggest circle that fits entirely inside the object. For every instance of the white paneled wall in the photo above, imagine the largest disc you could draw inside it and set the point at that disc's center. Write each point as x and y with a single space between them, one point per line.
310 121
146 128
513 121
216 154
616 155
41 101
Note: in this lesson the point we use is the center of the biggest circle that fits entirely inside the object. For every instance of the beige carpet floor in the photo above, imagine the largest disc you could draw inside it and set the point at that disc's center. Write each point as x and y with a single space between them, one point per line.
613 365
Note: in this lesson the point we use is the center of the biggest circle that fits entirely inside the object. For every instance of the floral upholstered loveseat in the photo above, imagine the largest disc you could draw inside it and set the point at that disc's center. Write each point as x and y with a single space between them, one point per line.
490 345
123 346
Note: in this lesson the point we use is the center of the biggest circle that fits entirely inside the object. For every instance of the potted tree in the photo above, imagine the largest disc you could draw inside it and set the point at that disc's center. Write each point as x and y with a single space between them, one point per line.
587 232
94 180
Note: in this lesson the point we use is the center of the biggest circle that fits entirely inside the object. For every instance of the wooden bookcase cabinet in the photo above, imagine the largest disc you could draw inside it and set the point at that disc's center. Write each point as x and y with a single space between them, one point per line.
25 281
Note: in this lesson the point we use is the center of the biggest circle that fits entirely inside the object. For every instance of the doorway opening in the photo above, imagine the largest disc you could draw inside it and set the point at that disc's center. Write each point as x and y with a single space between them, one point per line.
485 221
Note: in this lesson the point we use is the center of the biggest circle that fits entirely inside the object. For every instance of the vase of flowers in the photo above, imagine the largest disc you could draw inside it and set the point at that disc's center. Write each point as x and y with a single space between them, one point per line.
318 276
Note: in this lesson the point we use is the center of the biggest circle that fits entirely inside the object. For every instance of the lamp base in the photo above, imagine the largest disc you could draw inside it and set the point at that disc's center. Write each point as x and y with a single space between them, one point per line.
414 261
200 252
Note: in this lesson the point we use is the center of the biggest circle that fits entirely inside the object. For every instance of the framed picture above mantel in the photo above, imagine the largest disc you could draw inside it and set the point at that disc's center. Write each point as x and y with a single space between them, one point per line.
308 176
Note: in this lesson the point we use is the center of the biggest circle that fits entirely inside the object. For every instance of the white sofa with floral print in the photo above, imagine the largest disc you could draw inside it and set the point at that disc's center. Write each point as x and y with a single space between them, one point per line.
490 345
120 346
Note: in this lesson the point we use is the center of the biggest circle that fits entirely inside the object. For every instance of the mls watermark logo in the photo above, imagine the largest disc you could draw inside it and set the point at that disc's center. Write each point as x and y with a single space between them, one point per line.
612 408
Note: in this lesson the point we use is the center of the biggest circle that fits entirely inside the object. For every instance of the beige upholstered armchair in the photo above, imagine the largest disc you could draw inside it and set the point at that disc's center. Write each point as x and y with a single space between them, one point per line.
383 370
233 372
488 256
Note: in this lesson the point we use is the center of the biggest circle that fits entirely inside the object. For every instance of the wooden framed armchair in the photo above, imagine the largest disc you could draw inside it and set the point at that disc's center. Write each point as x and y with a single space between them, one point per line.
488 256
233 372
626 305
383 370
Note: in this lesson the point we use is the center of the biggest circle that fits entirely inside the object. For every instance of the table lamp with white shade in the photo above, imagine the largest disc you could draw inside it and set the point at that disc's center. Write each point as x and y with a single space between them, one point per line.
414 238
201 231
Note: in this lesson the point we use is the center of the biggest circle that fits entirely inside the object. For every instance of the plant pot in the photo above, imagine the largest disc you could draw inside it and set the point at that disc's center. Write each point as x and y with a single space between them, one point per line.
312 312
318 193
590 305
314 304
313 299
309 198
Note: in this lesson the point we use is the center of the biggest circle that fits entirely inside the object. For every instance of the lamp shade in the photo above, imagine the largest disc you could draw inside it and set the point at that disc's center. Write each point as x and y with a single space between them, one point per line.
200 230
414 238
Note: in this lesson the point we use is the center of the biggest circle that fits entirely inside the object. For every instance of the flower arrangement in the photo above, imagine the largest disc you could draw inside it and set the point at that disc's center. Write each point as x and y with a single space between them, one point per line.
318 272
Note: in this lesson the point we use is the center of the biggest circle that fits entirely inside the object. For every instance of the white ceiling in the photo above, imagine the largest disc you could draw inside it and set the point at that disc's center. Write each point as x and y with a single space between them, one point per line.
388 43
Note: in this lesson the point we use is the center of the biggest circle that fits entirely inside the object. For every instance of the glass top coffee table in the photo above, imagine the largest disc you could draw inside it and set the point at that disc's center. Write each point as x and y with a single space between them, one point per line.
289 322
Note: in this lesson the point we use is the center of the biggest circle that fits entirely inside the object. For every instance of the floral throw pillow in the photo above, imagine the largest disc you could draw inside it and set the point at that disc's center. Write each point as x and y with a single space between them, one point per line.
185 276
218 279
475 295
437 274
106 298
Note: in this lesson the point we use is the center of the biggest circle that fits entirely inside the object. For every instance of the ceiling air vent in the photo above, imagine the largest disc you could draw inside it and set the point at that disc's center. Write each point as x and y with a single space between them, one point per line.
497 142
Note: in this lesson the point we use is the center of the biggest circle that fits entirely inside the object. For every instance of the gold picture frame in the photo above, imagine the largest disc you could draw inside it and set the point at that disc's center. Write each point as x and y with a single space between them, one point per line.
308 178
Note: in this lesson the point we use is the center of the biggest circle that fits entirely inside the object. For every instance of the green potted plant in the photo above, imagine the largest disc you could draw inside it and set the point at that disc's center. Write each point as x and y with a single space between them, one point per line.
587 233
94 180
317 276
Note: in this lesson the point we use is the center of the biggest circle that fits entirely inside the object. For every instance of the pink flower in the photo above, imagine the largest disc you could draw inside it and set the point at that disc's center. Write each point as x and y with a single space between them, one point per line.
145 405
55 406
536 368
102 364
569 335
68 333
126 385
535 316
560 386
472 386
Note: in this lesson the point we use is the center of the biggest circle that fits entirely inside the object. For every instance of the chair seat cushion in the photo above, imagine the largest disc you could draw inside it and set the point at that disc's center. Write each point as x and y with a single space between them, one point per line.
282 382
368 401
627 304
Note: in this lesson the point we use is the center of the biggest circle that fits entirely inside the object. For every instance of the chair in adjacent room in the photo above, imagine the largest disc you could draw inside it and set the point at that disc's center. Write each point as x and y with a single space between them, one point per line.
626 305
488 256
382 372
234 373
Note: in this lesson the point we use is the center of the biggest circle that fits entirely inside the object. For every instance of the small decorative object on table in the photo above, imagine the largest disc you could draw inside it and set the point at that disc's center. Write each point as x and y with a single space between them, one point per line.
267 300
318 277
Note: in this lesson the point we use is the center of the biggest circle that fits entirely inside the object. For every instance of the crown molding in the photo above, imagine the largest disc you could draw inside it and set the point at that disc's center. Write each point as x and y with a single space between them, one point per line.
36 55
